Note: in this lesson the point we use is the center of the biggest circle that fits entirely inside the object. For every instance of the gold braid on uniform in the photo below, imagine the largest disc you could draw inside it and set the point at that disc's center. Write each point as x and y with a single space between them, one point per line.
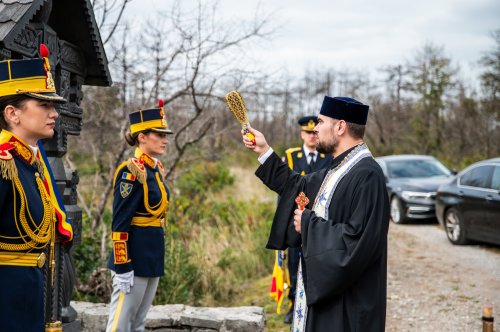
137 168
8 169
41 234
159 209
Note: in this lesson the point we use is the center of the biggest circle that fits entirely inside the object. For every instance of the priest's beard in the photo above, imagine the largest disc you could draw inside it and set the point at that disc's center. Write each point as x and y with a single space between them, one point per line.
328 147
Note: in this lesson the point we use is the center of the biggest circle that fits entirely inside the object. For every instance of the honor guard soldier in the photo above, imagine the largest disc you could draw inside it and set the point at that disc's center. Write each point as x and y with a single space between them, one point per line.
31 211
304 160
139 215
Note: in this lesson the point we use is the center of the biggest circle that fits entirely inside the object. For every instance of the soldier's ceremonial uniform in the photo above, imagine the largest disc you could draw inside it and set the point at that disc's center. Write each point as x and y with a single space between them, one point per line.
140 208
298 161
31 210
139 211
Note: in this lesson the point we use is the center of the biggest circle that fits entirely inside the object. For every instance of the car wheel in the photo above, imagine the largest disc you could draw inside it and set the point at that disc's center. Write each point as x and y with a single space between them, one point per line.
454 227
398 215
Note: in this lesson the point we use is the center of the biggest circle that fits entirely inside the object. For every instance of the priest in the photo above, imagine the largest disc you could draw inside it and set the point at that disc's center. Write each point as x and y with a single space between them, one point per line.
342 279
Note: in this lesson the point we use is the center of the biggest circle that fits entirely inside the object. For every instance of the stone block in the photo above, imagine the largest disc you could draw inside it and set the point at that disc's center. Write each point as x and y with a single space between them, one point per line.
179 318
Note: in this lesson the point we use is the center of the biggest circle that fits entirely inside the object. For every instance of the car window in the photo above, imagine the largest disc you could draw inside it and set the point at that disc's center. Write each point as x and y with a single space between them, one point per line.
477 177
495 179
416 168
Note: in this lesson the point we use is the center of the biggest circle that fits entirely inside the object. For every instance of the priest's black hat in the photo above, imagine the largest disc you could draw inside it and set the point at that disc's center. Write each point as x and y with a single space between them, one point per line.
345 108
307 123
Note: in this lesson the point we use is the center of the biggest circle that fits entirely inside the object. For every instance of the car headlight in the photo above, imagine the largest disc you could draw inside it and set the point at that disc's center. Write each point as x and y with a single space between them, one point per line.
420 197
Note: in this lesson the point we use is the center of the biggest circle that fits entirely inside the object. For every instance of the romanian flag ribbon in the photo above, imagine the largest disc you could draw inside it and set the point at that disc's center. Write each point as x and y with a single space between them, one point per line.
280 281
63 223
128 176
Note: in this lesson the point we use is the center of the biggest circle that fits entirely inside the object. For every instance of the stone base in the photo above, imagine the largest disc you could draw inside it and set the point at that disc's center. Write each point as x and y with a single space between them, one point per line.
74 326
179 317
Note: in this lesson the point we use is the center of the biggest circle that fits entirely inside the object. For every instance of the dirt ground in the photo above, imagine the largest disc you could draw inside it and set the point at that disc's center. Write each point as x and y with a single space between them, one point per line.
436 286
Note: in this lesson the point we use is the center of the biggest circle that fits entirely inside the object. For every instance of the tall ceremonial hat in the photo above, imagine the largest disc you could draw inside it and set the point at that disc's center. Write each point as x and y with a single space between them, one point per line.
307 123
345 108
29 77
152 119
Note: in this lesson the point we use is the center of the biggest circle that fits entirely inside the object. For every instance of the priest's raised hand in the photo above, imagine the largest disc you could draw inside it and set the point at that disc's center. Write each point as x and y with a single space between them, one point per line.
260 146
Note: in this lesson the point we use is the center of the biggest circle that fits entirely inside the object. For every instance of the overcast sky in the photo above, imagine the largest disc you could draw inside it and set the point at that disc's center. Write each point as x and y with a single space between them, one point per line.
360 34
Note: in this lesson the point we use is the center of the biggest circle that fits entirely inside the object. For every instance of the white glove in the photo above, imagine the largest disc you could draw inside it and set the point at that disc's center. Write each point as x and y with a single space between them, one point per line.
125 281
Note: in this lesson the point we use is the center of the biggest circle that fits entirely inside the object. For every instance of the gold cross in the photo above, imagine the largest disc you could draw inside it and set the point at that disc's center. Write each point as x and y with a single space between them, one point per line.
302 201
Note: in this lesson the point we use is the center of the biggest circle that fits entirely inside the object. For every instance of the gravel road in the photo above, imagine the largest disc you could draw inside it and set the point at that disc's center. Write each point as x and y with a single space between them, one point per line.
436 286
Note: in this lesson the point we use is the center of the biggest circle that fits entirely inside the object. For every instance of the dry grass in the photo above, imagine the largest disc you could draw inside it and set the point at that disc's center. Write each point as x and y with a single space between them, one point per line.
256 293
248 186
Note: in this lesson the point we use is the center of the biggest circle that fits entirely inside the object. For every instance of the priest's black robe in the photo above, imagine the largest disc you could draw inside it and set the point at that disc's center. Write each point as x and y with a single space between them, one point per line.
344 260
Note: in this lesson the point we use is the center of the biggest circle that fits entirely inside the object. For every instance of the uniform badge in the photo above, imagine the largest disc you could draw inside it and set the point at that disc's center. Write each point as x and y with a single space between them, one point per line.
311 124
120 252
125 189
128 176
50 81
299 155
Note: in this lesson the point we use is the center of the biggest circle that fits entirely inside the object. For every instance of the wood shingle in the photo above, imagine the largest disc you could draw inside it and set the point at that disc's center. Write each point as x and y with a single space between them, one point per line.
72 20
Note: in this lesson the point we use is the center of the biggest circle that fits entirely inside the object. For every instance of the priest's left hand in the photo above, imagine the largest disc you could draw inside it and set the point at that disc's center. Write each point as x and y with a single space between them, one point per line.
297 219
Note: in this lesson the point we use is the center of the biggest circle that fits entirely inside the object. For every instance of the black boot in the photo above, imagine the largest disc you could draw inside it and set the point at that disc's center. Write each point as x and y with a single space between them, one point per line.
289 316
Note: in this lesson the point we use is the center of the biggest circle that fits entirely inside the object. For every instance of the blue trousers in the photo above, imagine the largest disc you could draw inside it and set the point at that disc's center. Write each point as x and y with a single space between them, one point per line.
21 299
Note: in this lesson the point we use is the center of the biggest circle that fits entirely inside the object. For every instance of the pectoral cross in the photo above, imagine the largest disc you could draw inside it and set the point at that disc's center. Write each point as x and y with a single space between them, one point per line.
302 200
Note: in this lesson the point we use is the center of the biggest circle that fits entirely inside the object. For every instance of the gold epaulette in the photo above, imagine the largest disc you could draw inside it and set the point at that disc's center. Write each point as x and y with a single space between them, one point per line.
7 164
291 150
288 154
136 167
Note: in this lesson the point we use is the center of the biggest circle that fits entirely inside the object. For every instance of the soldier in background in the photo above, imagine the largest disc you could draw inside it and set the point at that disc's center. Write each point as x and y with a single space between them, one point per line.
304 160
140 208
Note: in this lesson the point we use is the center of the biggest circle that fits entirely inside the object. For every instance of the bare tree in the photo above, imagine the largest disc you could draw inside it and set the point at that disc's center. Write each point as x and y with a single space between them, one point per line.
188 60
195 55
109 16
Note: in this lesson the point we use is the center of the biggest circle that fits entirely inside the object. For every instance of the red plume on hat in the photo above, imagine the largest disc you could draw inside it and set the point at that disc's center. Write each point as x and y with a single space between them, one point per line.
160 105
44 51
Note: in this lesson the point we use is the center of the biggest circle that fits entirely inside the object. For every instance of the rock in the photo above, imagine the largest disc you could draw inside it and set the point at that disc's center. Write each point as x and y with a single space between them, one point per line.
178 317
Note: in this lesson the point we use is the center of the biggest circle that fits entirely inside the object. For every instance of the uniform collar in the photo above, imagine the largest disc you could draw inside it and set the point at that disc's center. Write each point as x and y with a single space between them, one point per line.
307 151
34 149
148 160
23 150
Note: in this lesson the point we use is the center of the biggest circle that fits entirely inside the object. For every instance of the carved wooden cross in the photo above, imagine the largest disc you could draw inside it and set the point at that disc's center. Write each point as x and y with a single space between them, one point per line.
302 200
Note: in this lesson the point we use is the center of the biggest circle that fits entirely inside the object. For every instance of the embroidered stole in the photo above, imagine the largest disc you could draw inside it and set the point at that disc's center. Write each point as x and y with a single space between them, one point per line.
320 208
